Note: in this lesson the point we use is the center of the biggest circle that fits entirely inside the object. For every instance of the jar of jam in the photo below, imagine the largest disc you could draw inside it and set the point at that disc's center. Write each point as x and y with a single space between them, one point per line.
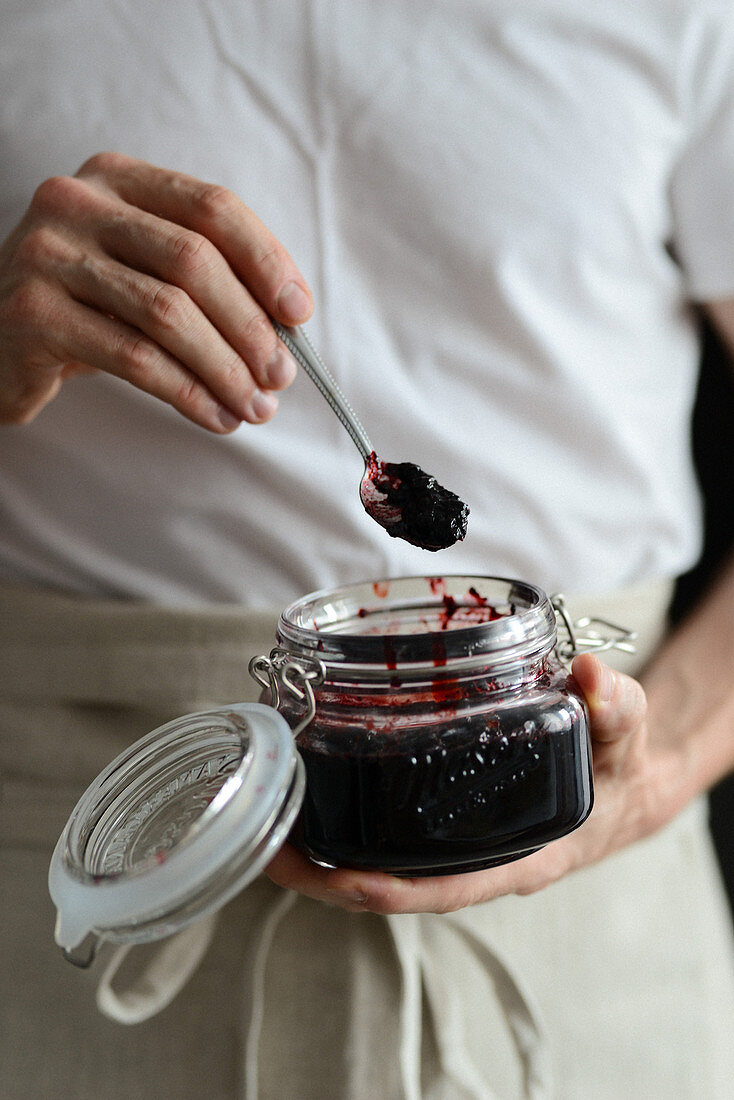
420 726
446 734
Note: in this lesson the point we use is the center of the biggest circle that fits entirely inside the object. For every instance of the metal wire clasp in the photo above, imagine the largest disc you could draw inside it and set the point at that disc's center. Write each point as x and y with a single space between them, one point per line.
297 675
588 634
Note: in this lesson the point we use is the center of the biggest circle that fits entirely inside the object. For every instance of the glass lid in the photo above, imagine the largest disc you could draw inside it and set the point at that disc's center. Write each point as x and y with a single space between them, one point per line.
176 825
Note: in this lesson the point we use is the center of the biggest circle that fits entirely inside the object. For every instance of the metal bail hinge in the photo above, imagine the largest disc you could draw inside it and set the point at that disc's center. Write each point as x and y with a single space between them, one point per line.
588 634
297 675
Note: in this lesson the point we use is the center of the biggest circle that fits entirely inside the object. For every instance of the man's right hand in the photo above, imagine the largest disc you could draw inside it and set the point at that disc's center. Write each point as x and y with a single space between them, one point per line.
153 276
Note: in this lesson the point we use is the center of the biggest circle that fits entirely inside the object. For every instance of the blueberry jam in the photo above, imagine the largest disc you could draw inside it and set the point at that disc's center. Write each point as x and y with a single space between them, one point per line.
410 504
473 793
446 736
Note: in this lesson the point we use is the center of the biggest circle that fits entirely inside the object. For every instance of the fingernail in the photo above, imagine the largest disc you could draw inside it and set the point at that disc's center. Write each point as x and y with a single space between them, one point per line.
293 303
228 421
263 405
606 686
281 369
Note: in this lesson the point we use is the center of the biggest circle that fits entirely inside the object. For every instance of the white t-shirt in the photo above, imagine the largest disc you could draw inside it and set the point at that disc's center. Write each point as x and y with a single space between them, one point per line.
502 210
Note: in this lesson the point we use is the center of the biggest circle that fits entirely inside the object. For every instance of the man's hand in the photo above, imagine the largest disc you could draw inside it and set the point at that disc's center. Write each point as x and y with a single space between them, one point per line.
627 806
155 277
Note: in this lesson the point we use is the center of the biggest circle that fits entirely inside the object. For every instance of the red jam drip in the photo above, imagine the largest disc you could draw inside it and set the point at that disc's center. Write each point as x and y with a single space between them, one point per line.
474 608
470 610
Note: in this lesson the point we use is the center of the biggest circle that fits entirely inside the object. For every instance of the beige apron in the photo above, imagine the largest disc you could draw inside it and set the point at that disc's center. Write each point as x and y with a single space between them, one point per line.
617 981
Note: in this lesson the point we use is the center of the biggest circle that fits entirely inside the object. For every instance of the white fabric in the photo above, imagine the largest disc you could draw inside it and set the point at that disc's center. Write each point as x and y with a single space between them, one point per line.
165 976
422 957
482 197
281 906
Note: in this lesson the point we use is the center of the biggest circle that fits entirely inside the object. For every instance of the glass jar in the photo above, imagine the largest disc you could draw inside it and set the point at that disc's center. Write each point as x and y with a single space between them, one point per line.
420 726
446 734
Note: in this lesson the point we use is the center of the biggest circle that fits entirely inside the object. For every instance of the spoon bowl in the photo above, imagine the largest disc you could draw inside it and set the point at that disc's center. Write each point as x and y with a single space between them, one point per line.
407 502
411 505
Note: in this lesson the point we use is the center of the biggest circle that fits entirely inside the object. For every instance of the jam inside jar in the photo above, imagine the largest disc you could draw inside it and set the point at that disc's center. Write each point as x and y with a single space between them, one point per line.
446 736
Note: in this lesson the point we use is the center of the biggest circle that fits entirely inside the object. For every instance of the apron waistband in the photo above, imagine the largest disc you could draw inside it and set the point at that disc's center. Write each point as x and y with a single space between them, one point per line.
59 647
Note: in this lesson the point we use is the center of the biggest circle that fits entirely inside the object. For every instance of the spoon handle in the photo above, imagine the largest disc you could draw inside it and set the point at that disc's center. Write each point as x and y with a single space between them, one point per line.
305 353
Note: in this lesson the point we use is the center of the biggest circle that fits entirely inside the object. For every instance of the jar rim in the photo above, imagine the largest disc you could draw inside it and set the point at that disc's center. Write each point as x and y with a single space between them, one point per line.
417 622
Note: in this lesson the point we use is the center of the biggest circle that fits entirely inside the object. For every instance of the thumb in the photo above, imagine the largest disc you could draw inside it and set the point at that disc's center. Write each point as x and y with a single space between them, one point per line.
617 703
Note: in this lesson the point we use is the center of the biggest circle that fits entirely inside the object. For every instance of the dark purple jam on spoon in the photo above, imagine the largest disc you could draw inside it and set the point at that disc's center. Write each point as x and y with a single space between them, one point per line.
402 498
411 505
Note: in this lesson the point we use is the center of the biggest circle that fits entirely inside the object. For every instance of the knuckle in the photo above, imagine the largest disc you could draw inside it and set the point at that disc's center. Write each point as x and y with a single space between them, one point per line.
38 248
258 333
102 164
234 378
170 308
187 395
271 257
56 194
384 907
192 253
217 203
27 306
140 357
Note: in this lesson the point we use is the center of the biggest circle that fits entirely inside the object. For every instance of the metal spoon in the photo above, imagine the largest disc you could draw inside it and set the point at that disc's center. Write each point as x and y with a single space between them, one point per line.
401 497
